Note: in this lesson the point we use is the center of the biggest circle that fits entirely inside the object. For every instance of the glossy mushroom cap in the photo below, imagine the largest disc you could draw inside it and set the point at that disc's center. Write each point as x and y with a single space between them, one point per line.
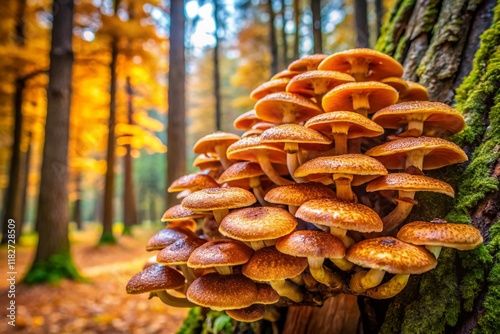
314 83
222 292
246 120
251 313
192 182
268 87
391 255
458 236
284 107
208 143
178 253
167 236
307 243
246 149
155 277
218 198
240 171
363 64
352 124
420 117
298 193
414 92
266 294
220 252
177 213
307 63
293 136
409 183
435 152
269 264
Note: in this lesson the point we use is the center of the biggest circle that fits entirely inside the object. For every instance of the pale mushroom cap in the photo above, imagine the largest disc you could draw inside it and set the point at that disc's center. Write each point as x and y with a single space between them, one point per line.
245 149
269 264
340 98
257 223
178 253
266 294
167 236
338 121
435 115
311 83
268 87
415 92
297 193
248 314
222 292
241 170
178 213
306 243
379 65
340 214
307 63
220 252
271 108
192 181
458 236
438 152
392 255
409 182
362 167
155 277
246 120
218 198
207 143
294 133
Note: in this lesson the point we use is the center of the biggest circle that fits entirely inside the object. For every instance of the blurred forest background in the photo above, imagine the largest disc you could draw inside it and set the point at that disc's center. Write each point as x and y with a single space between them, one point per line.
120 107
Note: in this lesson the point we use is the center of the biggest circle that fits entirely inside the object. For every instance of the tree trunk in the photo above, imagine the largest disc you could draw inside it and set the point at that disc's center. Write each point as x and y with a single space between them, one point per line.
284 49
379 18
217 95
77 204
296 20
24 188
176 130
129 201
53 259
316 25
361 19
273 42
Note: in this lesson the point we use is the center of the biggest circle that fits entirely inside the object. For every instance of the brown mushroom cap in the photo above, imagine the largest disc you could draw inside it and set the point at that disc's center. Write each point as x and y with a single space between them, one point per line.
286 73
340 214
362 167
391 255
218 198
251 313
313 83
220 252
305 243
257 223
415 92
345 96
208 143
287 134
193 182
434 115
458 236
307 63
363 64
284 107
178 213
351 123
269 264
155 277
222 292
397 83
437 152
246 120
178 252
411 183
268 87
204 161
297 193
241 170
266 294
167 236
245 149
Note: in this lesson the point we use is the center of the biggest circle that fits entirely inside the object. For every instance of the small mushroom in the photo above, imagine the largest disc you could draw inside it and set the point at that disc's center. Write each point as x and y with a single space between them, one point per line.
284 107
251 313
192 182
434 236
217 143
208 163
246 120
270 265
307 63
268 87
414 92
167 236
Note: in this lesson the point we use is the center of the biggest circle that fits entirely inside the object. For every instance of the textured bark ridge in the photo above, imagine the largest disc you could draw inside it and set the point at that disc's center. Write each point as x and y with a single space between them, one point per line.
436 41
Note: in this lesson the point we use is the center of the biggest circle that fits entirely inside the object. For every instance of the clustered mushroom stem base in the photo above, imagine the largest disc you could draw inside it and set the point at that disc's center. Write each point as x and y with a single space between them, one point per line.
224 270
372 278
288 290
259 194
343 264
170 300
343 188
342 235
268 169
322 274
188 274
292 163
389 289
256 245
220 214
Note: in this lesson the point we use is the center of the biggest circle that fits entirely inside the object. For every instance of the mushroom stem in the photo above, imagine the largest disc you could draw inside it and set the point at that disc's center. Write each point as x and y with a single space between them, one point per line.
256 245
415 158
400 212
188 273
224 270
322 274
259 194
268 169
415 128
372 278
219 214
288 116
355 283
389 289
436 250
288 290
343 264
359 69
221 152
342 235
170 300
298 280
292 163
340 143
343 187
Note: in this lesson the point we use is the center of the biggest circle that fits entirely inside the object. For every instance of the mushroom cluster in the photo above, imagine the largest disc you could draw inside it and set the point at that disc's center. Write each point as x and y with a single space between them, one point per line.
290 213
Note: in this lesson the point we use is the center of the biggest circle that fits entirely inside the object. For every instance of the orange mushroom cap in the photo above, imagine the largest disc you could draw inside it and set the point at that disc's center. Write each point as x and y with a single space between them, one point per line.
284 107
307 63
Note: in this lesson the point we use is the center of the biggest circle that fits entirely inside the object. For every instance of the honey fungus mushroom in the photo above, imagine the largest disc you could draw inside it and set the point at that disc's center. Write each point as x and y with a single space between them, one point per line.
217 143
307 63
157 278
387 254
167 236
284 107
268 87
435 235
186 184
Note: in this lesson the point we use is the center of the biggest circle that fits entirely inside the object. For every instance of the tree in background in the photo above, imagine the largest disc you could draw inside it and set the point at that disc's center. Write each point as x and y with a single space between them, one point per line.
53 258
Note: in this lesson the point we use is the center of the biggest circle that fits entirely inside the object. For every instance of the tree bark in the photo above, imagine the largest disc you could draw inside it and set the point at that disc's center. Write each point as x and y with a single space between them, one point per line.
273 42
316 25
53 258
284 39
361 19
176 133
216 59
77 204
296 20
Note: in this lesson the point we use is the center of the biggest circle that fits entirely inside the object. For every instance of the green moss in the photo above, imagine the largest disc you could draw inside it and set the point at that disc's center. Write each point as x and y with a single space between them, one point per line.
107 238
193 322
56 268
391 27
127 230
474 264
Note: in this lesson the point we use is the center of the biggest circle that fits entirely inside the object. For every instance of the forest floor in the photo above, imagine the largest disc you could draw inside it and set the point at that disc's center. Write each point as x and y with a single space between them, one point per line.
100 305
